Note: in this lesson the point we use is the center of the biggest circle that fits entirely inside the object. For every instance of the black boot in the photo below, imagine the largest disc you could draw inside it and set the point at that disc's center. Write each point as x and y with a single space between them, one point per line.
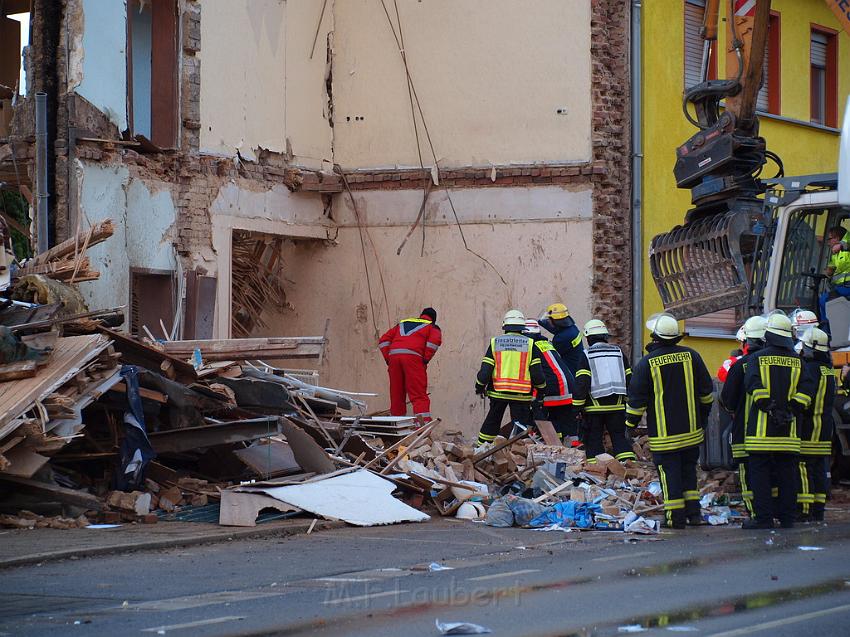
675 519
817 512
757 524
695 519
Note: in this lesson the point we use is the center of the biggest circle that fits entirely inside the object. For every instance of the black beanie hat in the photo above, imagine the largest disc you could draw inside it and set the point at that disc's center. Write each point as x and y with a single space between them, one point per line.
430 312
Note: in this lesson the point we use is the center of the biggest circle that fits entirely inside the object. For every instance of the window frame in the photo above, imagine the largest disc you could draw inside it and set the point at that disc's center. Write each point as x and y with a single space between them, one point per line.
830 76
712 56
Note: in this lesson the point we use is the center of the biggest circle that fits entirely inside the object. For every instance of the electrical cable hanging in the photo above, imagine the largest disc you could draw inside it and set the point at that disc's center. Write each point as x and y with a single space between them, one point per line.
412 88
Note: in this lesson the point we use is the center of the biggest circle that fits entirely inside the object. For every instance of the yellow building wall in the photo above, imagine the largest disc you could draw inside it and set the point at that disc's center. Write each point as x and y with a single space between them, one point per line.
803 148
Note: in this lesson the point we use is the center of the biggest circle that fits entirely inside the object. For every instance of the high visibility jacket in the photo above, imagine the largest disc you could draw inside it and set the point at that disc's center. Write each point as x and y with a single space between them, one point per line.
412 336
672 386
566 338
560 383
597 394
816 424
511 368
723 370
840 262
774 379
735 399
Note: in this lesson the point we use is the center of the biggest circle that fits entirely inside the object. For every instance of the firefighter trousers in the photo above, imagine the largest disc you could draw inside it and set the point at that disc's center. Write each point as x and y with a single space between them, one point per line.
677 471
408 378
766 470
563 419
746 492
811 493
520 411
614 422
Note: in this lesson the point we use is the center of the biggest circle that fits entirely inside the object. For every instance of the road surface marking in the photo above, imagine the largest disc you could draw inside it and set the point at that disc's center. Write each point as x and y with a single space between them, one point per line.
621 557
344 579
781 622
419 541
205 599
360 598
481 578
200 622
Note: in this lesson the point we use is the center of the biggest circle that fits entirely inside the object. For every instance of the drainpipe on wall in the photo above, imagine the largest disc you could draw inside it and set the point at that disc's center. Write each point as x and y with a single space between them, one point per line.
637 182
42 198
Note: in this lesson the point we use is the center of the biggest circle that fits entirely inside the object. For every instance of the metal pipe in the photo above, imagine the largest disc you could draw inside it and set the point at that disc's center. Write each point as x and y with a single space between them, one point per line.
637 182
42 197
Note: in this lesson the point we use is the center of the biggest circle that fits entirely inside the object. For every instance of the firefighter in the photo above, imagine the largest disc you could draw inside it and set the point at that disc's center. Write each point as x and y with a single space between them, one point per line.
734 399
407 349
672 386
801 322
557 397
509 373
816 424
601 386
778 393
566 336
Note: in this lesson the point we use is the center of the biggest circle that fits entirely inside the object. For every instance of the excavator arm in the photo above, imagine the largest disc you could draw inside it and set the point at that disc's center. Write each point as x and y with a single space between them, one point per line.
702 266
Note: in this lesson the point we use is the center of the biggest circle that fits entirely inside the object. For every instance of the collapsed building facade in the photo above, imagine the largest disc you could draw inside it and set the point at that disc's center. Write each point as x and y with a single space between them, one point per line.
327 167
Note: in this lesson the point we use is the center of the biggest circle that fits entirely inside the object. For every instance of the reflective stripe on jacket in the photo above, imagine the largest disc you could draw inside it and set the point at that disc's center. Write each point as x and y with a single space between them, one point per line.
412 337
673 387
511 368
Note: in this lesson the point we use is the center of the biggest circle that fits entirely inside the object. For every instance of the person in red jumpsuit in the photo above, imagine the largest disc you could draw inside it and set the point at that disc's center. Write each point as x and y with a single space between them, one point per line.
408 348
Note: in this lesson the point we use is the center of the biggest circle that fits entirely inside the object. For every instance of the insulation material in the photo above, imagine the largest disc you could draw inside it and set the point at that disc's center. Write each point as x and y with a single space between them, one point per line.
360 498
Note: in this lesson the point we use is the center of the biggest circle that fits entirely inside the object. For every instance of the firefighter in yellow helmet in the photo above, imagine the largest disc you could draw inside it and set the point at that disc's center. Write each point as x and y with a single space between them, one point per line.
672 386
566 336
779 391
509 373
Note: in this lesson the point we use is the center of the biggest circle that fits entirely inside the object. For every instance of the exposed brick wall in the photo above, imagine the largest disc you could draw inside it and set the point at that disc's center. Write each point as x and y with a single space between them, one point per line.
612 263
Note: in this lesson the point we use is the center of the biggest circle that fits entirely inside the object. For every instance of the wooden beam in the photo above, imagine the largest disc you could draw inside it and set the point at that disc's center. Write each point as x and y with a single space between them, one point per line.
249 348
53 492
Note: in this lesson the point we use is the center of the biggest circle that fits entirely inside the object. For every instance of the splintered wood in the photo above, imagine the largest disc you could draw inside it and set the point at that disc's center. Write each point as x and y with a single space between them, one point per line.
257 274
68 261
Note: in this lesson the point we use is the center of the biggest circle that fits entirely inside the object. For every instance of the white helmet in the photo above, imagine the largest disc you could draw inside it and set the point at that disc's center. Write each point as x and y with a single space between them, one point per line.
595 327
815 338
514 317
531 326
802 320
471 511
663 326
754 327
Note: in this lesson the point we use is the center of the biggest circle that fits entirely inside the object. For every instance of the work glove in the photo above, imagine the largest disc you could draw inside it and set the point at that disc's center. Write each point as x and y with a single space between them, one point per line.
632 421
764 404
479 389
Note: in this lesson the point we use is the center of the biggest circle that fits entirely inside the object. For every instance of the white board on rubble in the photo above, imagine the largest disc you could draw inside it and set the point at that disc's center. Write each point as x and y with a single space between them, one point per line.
360 498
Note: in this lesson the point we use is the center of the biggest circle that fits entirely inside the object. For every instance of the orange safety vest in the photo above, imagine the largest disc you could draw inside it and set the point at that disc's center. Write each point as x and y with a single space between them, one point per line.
512 357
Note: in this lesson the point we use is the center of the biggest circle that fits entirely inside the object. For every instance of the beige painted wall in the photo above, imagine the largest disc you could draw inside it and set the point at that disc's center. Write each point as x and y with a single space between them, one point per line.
542 261
260 88
490 76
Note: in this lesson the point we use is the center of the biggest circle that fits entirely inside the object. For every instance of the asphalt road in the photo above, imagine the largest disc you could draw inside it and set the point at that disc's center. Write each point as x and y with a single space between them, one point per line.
376 582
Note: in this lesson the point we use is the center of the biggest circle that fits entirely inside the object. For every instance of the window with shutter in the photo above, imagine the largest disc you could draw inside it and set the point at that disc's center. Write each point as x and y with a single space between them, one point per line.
822 70
693 43
768 95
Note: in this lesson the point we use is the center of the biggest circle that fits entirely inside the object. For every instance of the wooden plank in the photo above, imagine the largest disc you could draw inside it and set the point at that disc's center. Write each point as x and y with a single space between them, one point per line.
23 462
94 235
550 436
137 353
69 356
242 348
53 492
150 394
15 371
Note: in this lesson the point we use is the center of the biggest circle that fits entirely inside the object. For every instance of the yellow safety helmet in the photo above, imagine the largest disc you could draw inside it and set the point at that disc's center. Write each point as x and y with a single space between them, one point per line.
779 324
754 327
815 338
663 326
557 311
595 327
514 317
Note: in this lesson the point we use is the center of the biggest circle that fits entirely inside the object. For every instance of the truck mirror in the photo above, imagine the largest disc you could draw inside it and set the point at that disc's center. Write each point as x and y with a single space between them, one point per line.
844 159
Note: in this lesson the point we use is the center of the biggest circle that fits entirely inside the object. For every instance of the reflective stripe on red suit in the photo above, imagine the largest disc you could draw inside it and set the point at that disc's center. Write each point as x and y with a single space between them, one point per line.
407 348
